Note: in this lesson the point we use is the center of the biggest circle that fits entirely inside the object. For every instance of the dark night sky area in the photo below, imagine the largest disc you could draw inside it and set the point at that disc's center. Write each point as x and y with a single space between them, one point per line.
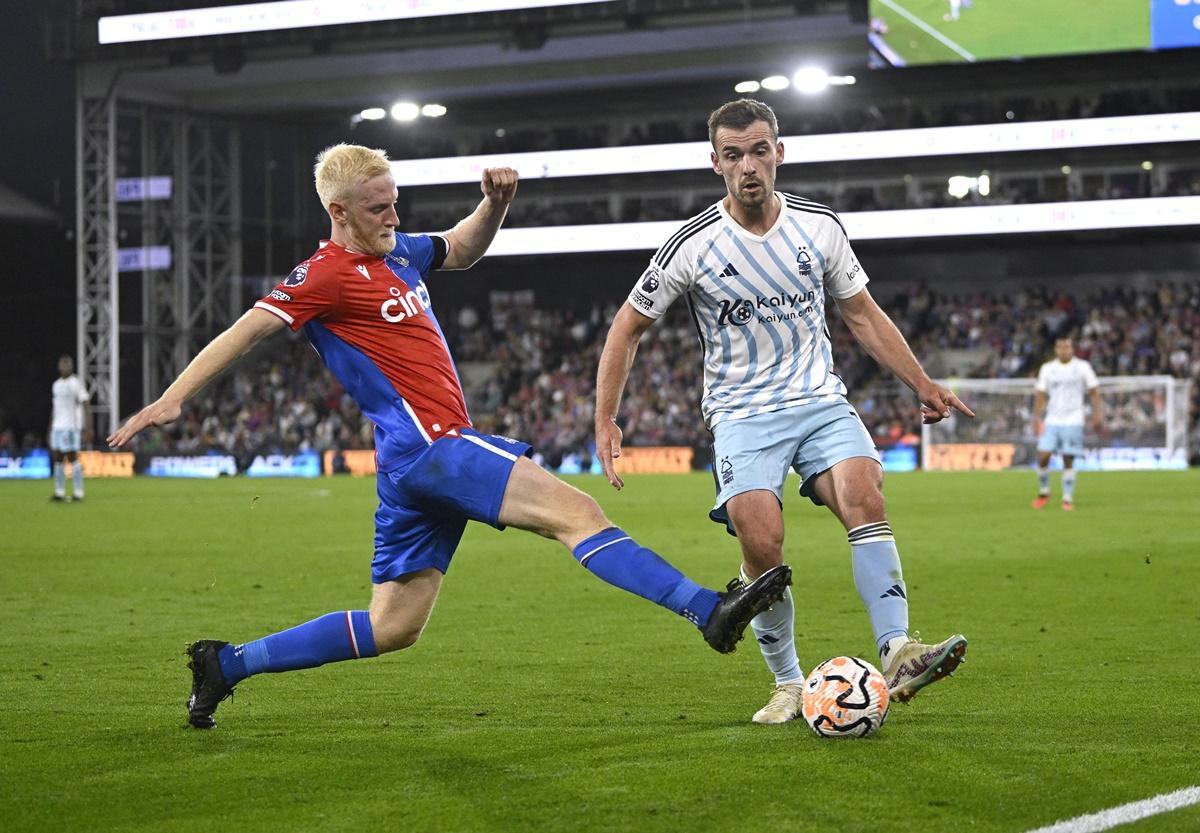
37 160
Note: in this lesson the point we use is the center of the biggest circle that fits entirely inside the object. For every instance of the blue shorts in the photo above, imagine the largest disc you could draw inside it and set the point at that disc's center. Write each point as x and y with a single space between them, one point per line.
424 506
756 452
1061 439
64 439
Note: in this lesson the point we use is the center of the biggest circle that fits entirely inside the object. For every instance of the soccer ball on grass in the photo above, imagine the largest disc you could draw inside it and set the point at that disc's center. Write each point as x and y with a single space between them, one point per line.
845 697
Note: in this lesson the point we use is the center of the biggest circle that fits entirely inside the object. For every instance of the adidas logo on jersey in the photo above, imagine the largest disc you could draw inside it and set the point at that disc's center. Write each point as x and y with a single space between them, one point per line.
729 271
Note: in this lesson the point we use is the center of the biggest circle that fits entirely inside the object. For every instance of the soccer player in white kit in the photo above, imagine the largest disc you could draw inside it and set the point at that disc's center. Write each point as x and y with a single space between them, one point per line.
1060 389
755 268
68 421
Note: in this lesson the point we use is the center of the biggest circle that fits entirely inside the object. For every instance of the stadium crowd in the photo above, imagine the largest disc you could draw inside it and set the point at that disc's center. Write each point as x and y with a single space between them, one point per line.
529 372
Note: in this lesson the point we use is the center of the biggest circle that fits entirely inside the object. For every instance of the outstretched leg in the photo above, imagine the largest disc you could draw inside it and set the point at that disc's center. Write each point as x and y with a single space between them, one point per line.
539 502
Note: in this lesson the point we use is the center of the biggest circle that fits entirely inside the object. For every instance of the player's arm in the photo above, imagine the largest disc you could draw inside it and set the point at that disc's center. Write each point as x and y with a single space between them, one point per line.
884 342
1039 408
1097 409
470 238
616 360
220 353
86 411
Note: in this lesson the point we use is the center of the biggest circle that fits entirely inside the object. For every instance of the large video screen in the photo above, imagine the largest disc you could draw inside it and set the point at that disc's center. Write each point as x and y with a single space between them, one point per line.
916 32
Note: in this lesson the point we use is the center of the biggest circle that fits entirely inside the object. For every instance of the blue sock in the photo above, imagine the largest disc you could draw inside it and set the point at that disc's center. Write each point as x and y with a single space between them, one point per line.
333 637
619 560
879 580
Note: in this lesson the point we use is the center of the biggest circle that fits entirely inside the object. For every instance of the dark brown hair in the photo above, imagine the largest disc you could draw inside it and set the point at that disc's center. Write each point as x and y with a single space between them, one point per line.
739 115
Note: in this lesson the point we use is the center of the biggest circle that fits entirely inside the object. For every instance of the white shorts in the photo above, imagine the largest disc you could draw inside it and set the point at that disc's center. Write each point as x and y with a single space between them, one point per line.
756 452
1061 439
64 439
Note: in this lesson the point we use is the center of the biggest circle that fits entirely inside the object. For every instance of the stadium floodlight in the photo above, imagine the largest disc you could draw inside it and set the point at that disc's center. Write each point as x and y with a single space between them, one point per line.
294 14
747 87
810 80
1066 169
775 82
405 111
372 114
1148 165
433 111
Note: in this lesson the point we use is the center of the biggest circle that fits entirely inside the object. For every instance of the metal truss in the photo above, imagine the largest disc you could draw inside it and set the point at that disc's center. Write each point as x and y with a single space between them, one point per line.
97 289
181 307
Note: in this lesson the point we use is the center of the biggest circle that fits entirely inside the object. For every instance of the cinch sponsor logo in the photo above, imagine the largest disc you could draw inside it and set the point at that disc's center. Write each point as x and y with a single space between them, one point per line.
768 310
403 304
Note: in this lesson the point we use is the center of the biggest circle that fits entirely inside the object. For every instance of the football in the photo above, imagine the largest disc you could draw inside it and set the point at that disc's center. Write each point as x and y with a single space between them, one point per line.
845 697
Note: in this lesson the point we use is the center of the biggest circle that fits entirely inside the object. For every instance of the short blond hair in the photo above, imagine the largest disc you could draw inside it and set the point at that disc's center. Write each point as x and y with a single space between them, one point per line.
342 167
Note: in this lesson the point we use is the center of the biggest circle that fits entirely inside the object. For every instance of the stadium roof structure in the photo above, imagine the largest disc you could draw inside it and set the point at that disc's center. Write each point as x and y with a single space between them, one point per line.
473 57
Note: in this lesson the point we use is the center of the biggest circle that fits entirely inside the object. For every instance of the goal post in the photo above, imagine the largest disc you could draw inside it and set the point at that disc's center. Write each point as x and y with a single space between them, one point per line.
1145 426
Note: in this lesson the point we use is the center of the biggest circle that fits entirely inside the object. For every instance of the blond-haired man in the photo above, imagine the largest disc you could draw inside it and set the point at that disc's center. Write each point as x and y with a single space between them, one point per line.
361 300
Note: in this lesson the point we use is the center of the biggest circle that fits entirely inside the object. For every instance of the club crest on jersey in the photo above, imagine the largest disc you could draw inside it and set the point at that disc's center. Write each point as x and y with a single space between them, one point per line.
650 280
804 263
298 275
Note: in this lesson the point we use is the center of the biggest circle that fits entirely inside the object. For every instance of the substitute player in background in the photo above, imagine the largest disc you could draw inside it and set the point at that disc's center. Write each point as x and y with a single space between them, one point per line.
361 300
755 268
69 421
1060 389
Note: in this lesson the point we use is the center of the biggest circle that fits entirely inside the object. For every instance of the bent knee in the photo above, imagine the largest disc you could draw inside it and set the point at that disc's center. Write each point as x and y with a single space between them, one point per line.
396 638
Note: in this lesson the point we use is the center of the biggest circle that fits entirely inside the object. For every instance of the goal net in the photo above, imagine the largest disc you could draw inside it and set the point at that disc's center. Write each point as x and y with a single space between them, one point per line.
1145 426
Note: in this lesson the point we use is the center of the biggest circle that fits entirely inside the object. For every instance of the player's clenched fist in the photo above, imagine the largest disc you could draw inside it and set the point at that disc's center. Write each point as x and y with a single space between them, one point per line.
499 184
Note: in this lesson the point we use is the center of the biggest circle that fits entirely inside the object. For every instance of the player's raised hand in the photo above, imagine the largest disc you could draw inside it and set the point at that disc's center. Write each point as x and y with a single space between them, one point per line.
936 402
161 412
608 449
499 184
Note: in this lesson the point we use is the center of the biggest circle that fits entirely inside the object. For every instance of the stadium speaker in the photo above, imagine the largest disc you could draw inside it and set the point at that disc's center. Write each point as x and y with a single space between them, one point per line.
858 11
228 59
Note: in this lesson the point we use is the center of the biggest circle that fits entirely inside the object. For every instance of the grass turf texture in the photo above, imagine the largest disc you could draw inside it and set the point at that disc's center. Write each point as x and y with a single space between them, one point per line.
1001 29
541 699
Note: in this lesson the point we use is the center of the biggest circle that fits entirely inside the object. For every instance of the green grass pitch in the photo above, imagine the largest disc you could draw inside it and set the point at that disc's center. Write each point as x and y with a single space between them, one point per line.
1001 29
541 699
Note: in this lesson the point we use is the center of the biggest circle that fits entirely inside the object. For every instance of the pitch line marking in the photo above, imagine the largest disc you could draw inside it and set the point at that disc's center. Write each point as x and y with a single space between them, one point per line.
1125 813
929 30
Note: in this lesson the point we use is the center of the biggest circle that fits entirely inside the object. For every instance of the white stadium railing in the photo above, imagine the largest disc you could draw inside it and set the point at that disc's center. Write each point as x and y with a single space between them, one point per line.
1006 137
881 225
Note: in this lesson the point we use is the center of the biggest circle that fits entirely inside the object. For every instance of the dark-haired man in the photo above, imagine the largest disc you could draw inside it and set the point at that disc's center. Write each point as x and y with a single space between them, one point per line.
755 268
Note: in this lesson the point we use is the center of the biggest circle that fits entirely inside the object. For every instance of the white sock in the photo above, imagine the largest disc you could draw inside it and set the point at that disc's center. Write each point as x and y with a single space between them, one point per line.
60 479
1043 481
77 478
887 653
775 631
1069 485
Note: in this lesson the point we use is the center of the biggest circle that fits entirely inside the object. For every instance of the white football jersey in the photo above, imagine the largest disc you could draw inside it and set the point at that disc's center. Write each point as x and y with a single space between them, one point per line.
758 304
1065 384
67 395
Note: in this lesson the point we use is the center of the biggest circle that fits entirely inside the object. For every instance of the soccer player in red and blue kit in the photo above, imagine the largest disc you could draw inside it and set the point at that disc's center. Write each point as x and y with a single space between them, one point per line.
361 300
